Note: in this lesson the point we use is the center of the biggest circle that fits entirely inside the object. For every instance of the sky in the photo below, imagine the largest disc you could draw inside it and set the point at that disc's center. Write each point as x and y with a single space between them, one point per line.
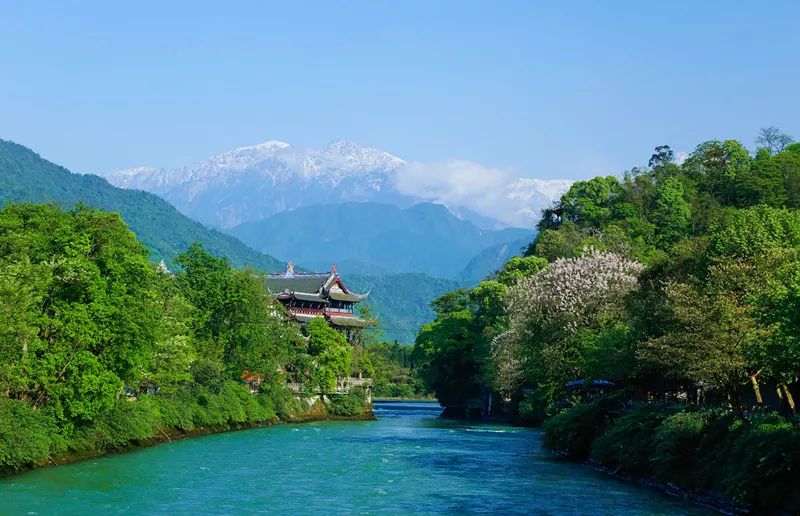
534 89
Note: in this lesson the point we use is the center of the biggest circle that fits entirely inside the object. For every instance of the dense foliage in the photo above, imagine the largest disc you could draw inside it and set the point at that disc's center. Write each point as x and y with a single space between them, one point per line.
454 352
100 348
675 277
678 281
394 371
751 461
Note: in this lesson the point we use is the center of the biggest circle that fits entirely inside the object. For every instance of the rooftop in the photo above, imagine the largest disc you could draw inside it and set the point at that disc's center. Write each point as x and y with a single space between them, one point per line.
323 283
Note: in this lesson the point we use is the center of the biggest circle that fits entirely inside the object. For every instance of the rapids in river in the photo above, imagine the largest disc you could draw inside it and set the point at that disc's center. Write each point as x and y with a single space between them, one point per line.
407 461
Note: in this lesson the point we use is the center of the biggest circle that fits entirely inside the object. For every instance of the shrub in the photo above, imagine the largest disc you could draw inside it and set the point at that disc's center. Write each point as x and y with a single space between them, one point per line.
676 442
26 435
762 467
284 405
257 409
751 461
628 443
715 449
532 409
178 410
352 404
573 430
126 422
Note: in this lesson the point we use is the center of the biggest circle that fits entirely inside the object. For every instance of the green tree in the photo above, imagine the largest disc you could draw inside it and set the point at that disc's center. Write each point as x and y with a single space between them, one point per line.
85 320
332 356
671 213
237 325
717 167
519 267
445 351
590 203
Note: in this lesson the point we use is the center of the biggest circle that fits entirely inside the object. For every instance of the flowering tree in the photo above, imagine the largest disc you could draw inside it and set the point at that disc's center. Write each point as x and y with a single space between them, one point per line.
549 311
508 367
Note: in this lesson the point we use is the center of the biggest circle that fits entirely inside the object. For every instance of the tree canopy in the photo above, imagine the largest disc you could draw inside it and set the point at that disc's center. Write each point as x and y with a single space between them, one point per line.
676 275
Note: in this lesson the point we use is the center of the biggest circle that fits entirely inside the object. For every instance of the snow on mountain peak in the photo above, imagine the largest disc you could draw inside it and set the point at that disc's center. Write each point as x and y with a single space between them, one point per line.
256 181
356 157
269 145
136 171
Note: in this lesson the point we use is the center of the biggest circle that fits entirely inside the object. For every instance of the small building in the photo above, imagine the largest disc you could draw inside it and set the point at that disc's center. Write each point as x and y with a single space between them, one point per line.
310 295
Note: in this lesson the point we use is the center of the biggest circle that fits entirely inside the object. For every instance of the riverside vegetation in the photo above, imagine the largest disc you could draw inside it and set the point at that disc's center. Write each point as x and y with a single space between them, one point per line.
100 349
678 284
394 371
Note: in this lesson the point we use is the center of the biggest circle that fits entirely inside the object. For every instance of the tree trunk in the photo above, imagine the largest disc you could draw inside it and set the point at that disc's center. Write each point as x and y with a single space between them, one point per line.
756 388
789 398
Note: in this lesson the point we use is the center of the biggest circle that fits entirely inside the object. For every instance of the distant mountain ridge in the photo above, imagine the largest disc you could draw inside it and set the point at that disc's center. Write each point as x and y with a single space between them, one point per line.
373 238
401 301
27 177
492 259
255 182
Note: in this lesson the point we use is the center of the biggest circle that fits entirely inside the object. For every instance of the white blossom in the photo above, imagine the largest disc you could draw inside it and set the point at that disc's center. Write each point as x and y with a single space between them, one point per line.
573 291
569 294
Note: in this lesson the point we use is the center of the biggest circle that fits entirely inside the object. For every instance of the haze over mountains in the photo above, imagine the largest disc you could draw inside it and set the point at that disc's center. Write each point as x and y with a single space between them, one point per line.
376 238
252 183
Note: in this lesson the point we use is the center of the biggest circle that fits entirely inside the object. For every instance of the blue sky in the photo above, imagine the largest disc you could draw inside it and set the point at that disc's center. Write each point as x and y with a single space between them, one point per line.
548 90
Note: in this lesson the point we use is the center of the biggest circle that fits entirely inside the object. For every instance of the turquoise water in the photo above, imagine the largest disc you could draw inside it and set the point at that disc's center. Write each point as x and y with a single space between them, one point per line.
408 461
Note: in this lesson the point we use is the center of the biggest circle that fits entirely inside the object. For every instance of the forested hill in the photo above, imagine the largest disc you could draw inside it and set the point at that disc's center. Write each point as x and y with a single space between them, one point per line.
401 301
369 237
677 283
27 177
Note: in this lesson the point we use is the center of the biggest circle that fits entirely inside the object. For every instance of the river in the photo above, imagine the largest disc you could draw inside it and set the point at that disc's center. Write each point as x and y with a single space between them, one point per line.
408 461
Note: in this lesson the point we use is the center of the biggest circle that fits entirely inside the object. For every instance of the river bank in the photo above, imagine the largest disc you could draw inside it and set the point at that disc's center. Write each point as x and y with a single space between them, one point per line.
713 501
717 458
315 412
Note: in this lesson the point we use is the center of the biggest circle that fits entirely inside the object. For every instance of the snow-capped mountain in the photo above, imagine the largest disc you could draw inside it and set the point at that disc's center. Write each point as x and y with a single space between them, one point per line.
252 183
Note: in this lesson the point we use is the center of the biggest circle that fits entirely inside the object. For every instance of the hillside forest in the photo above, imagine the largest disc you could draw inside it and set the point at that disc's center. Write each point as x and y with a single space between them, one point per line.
652 325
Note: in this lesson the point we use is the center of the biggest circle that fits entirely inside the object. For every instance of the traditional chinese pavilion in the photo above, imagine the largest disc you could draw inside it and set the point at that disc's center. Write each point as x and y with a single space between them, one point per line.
310 295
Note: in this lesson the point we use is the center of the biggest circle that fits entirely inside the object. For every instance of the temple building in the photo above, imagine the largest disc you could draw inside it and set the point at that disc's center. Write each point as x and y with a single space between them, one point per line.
310 295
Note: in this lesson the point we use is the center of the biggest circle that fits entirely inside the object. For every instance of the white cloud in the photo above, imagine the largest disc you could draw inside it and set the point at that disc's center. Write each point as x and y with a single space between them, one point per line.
490 192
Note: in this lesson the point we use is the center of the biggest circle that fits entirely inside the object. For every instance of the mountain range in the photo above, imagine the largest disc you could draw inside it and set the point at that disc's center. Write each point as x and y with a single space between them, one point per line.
255 182
27 177
374 238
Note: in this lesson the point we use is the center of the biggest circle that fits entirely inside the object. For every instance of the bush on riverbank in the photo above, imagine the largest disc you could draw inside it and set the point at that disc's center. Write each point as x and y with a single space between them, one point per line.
352 404
752 461
32 437
573 431
26 435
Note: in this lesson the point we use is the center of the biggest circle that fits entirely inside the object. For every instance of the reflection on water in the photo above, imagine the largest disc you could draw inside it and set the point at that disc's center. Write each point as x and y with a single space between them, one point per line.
408 461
